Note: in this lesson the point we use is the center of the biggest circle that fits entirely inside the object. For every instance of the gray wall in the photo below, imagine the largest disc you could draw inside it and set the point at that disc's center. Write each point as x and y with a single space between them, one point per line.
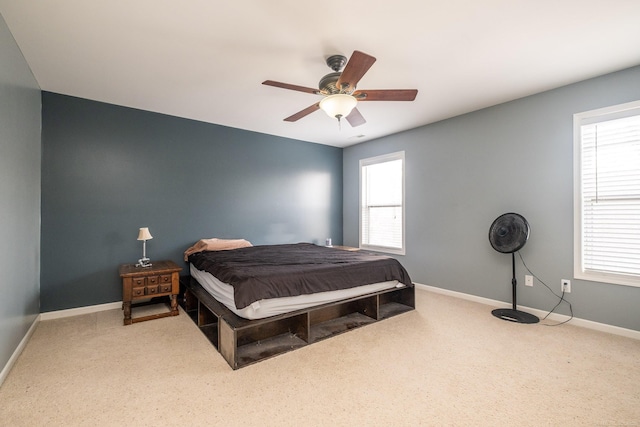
463 173
108 170
19 195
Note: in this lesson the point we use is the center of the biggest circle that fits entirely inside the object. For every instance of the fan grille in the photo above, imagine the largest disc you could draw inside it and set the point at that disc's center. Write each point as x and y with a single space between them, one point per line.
509 233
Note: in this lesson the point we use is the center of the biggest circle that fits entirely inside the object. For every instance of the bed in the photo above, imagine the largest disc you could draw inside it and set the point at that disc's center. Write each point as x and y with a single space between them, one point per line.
254 302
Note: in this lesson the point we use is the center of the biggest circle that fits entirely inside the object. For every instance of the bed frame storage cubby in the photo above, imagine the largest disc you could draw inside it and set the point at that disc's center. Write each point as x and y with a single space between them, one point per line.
243 342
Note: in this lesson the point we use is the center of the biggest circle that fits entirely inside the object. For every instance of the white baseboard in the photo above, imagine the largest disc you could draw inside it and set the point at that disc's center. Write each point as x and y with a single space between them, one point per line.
18 350
59 314
602 327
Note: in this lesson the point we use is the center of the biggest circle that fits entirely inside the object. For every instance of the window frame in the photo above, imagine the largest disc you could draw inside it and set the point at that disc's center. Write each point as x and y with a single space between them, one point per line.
579 120
398 155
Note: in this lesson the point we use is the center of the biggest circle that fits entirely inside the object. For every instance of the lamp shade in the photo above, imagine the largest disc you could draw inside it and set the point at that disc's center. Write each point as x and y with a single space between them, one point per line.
338 105
144 234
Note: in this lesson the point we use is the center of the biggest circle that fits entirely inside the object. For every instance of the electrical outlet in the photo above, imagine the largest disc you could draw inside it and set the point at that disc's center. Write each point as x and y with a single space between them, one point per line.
528 280
566 285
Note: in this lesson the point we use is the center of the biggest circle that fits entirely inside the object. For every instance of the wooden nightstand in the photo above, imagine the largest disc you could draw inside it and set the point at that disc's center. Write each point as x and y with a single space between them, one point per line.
159 280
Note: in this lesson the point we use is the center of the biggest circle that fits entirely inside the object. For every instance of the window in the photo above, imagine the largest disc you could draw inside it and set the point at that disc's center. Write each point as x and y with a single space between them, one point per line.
382 203
607 195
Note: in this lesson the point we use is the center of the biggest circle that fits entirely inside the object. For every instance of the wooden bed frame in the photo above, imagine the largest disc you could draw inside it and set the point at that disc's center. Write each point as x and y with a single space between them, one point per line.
243 342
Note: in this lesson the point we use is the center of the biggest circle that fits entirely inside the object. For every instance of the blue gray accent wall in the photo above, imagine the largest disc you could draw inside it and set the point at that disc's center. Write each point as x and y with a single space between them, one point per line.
109 170
464 172
20 124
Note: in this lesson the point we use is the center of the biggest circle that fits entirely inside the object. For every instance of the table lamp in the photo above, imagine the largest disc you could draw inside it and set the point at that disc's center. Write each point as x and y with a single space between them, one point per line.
144 235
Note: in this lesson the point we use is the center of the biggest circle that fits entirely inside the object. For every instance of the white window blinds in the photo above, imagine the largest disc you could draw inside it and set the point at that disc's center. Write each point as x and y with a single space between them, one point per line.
610 196
382 203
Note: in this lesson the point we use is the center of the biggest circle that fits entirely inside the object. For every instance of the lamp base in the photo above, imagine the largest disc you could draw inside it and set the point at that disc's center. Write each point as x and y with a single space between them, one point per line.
144 262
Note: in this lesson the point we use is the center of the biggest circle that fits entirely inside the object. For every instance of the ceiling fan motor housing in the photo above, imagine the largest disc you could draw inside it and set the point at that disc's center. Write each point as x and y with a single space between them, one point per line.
327 84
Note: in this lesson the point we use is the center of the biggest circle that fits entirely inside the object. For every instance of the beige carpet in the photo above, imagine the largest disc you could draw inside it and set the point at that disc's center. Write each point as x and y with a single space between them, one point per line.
448 363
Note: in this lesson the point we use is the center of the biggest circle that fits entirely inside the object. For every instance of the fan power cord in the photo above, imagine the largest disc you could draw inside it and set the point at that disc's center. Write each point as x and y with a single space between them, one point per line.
561 297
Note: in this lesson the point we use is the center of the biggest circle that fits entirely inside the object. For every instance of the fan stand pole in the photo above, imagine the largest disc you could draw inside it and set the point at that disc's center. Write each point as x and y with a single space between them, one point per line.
514 282
514 315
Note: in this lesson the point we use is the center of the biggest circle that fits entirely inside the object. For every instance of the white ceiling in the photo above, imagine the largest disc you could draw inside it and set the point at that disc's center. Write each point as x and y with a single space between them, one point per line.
206 59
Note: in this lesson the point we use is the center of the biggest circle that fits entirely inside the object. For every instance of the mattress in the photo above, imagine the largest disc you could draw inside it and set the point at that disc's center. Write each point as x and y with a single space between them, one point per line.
224 293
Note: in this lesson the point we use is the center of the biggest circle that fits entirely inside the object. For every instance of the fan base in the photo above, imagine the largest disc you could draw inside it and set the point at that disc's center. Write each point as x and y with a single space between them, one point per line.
516 316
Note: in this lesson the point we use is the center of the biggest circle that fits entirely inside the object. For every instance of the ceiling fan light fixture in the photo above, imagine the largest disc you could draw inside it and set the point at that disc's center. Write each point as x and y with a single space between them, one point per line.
338 105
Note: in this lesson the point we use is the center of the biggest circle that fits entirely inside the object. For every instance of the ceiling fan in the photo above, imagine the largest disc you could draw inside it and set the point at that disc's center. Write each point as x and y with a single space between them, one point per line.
339 90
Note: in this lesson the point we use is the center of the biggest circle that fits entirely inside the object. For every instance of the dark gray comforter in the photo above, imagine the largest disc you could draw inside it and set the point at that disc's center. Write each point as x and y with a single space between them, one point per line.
273 271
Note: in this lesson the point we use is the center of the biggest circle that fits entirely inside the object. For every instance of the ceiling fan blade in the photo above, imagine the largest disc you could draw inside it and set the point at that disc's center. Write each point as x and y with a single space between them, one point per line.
290 86
355 118
358 65
386 95
300 114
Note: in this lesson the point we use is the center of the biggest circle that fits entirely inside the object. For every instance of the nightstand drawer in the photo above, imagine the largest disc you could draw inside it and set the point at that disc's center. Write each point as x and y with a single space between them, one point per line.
165 288
152 289
165 279
152 280
138 291
139 282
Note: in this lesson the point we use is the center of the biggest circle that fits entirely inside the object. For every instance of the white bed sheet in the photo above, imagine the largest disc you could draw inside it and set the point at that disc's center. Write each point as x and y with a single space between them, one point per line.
223 292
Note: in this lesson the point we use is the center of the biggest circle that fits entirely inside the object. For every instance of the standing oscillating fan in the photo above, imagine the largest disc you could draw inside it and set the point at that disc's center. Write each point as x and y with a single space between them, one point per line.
508 234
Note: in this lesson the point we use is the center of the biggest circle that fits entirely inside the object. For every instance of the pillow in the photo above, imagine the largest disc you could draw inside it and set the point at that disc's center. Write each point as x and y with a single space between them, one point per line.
215 244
